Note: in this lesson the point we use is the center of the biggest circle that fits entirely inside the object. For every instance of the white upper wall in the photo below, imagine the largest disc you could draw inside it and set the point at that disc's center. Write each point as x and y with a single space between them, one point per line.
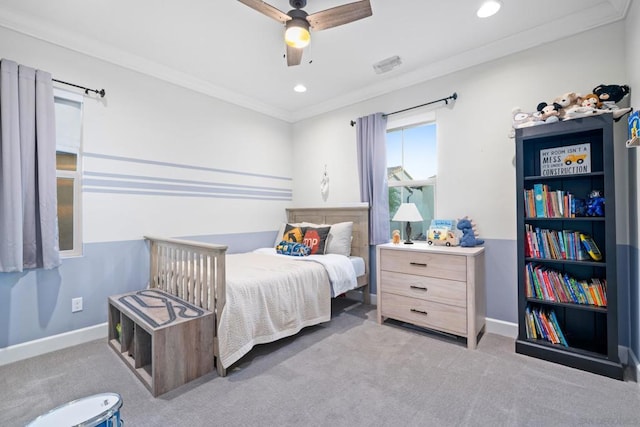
143 120
476 175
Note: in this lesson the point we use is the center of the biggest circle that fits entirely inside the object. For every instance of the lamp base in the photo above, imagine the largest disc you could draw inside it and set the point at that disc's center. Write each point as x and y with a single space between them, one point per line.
408 231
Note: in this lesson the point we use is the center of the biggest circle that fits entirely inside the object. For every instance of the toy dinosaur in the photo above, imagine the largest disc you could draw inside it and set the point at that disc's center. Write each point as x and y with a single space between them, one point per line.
469 238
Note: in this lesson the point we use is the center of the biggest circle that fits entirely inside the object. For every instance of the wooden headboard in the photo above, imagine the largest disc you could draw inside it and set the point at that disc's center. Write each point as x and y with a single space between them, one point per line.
359 215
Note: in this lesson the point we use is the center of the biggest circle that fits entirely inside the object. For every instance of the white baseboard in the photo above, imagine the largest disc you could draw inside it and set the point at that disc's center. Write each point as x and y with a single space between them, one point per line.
500 327
34 348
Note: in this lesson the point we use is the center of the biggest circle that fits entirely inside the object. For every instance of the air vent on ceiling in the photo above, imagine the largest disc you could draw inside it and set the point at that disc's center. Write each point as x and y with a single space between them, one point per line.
387 64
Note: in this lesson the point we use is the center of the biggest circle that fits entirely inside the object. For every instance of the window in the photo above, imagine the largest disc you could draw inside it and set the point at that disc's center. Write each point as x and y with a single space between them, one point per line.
68 108
411 171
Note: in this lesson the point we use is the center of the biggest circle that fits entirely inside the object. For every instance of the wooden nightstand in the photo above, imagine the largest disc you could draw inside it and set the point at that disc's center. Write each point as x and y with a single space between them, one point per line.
435 287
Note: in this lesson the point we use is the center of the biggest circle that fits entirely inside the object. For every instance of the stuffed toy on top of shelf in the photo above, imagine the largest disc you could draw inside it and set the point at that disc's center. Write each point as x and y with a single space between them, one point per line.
572 105
566 102
609 96
590 105
549 113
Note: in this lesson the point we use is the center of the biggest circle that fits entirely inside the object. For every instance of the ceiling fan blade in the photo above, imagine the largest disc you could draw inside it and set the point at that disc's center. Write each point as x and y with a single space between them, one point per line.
339 15
294 55
267 9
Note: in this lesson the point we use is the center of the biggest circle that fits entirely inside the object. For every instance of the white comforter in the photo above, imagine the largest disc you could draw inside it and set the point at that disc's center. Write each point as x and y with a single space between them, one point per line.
273 296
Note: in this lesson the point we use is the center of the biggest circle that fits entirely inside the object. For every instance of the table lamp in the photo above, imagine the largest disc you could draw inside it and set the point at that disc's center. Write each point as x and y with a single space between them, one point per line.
407 212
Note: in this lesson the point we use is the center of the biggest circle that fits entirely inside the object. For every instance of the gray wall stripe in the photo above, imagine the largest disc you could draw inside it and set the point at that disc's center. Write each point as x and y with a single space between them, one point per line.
179 165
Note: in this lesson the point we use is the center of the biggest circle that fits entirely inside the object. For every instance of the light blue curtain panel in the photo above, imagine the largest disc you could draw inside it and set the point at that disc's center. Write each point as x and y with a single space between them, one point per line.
371 134
28 198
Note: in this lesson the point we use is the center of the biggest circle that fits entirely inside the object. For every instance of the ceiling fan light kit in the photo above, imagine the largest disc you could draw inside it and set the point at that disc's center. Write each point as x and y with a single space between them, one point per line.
298 22
297 33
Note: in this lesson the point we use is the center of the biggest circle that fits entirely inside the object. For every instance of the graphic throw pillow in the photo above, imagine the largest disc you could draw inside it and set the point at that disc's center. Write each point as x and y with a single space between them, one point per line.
316 239
293 233
292 249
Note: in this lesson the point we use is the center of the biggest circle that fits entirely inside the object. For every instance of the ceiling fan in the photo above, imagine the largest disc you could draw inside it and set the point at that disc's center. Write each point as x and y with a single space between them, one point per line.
298 22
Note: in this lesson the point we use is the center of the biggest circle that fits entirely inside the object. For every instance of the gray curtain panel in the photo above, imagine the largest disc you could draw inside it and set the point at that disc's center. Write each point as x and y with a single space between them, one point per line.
28 197
371 134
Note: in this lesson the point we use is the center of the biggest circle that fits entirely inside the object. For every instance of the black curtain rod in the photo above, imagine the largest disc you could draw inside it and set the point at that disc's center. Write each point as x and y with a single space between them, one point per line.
446 101
100 92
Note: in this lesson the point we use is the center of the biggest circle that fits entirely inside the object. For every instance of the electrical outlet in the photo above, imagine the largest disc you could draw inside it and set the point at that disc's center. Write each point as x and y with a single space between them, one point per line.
76 304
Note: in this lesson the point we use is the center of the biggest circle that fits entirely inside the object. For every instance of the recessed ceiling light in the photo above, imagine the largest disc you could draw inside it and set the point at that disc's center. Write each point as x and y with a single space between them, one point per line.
489 8
300 88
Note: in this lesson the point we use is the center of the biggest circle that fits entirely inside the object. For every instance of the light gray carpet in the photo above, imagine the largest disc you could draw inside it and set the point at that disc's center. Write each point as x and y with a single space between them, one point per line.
348 372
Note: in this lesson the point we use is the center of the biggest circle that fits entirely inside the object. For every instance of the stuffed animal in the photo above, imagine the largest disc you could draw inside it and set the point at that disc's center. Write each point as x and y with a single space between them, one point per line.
591 100
396 236
293 248
609 95
468 239
566 102
549 113
521 119
595 204
589 106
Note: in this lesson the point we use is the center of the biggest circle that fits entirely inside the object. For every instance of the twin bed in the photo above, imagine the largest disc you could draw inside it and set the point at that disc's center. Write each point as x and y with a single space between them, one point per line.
260 297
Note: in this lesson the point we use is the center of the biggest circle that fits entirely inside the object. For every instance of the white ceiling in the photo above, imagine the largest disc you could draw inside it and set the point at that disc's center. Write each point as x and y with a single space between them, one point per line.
227 50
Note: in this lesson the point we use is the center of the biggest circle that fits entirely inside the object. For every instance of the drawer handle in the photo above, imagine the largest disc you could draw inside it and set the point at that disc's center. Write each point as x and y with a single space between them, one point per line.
413 310
419 264
420 288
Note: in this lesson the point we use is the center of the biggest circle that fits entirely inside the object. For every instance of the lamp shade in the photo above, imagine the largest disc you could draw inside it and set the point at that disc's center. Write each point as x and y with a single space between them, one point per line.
407 212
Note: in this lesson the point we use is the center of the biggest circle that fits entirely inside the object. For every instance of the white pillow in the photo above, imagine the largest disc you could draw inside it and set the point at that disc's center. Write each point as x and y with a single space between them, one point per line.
339 241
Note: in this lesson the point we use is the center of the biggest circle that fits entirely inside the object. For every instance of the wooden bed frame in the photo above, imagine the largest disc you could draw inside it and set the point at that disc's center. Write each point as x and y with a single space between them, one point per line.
195 271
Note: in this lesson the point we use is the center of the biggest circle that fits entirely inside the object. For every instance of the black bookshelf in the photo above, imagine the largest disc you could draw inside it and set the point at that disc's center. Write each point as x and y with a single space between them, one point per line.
591 332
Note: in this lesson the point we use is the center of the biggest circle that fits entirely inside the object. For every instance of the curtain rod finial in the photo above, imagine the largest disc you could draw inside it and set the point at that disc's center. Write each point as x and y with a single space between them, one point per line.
353 123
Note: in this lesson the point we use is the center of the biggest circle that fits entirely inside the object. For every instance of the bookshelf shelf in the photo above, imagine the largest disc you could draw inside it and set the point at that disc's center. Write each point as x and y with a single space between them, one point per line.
576 219
573 306
590 330
566 261
563 177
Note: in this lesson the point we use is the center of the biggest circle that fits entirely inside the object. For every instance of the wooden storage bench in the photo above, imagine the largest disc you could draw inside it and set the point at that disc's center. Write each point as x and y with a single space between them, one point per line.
164 340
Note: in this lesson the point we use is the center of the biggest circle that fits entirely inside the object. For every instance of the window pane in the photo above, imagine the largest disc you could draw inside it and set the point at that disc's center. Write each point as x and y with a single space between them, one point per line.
420 151
65 213
66 161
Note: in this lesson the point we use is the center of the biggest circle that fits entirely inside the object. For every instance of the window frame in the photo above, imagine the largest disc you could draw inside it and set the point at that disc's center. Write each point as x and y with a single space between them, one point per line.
76 176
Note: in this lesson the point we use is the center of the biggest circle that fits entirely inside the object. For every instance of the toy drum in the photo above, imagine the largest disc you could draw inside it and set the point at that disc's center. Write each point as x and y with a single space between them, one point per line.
99 410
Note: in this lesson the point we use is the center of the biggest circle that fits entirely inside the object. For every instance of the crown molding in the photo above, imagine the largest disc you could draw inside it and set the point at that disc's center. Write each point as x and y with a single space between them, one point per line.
57 36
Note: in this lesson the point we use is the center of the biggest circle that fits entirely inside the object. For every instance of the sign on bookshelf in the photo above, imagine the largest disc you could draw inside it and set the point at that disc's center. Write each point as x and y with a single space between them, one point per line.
568 160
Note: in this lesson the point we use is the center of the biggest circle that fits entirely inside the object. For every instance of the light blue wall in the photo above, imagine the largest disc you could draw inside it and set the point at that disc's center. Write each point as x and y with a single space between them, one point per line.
37 303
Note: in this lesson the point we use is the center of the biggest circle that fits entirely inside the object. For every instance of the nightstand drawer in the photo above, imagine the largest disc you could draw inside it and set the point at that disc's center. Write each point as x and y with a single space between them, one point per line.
452 267
423 313
428 288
